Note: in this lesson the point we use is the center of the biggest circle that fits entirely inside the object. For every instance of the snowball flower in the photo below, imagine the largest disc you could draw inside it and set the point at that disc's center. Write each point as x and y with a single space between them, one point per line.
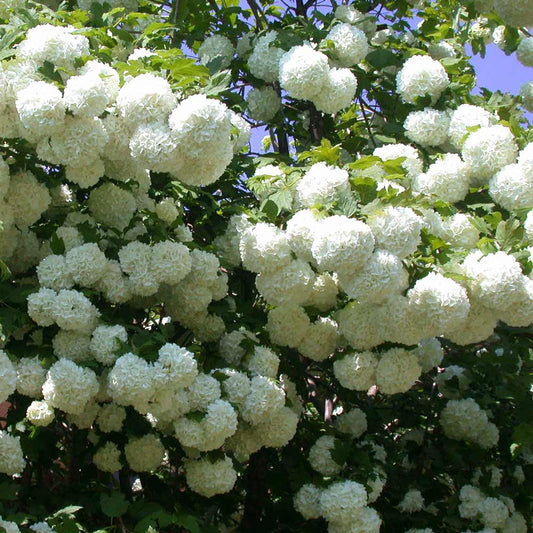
512 188
421 76
208 478
320 456
264 59
8 377
352 422
70 387
411 164
107 458
86 95
86 264
30 377
263 103
106 341
11 456
307 501
287 325
517 13
40 413
464 117
320 339
349 44
112 206
303 72
74 311
356 371
28 198
144 454
397 371
342 501
487 150
428 127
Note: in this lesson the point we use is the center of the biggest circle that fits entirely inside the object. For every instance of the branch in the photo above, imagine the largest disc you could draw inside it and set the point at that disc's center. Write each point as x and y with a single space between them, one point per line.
367 123
260 19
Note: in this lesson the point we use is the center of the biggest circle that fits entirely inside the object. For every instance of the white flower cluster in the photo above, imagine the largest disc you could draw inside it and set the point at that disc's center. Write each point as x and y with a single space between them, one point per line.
465 420
11 457
216 47
421 76
343 504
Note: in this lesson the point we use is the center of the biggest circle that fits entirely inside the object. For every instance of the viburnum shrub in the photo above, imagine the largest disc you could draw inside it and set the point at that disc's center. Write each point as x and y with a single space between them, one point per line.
330 333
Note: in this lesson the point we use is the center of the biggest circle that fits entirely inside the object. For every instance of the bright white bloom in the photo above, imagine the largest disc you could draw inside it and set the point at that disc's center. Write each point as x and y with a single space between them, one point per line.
493 512
320 456
488 150
144 454
264 362
40 413
478 326
307 501
357 371
11 456
106 341
471 498
349 44
428 127
41 306
342 244
145 97
512 188
397 371
459 231
290 284
27 198
421 76
382 276
264 248
397 230
201 128
287 325
216 47
516 523
303 72
171 262
111 205
86 264
465 420
464 117
30 377
441 50
74 311
526 92
40 108
107 458
70 387
320 339
342 501
8 377
204 390
301 229
176 367
320 184
264 59
106 73
263 103
439 304
324 293
56 44
517 13
86 95
352 422
447 179
208 478
265 397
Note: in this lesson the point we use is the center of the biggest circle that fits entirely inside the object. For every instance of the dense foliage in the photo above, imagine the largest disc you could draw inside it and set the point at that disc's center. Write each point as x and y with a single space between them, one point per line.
333 334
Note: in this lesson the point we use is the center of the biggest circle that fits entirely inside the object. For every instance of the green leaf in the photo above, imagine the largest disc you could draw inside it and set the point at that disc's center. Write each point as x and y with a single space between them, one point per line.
218 83
365 162
366 189
509 233
68 510
8 491
49 71
189 522
114 504
383 58
5 272
57 244
276 203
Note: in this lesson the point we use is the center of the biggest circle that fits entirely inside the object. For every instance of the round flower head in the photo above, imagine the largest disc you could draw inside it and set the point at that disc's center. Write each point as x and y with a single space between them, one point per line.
303 72
41 306
263 103
512 188
86 264
397 230
320 339
356 371
412 164
307 501
106 341
342 244
11 456
144 454
40 413
338 92
27 198
349 44
421 76
71 345
342 501
397 371
86 95
487 150
30 377
70 387
74 312
40 109
320 456
320 184
56 44
464 117
428 127
264 59
107 458
359 325
517 13
106 73
216 47
111 205
209 478
287 325
447 179
382 276
145 97
265 397
8 377
352 422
